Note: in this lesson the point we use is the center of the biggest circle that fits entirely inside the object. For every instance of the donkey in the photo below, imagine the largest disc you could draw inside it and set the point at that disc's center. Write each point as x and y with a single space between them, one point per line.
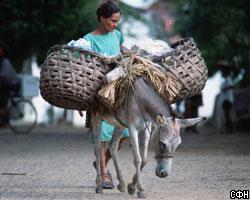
146 115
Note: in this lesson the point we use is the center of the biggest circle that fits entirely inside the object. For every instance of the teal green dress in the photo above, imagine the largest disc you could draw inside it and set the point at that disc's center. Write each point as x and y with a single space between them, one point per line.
109 45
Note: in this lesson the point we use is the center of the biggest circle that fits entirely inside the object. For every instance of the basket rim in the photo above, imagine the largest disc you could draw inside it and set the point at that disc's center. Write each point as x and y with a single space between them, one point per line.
181 42
103 58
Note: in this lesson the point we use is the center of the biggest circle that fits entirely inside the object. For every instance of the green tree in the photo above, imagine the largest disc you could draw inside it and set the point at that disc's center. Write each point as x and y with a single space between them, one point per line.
32 26
221 29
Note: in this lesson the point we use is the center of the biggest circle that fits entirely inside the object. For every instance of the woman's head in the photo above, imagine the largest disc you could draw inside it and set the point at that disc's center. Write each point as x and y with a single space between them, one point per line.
108 14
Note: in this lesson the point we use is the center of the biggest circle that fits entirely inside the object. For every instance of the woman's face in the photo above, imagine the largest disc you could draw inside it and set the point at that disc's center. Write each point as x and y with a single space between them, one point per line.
110 23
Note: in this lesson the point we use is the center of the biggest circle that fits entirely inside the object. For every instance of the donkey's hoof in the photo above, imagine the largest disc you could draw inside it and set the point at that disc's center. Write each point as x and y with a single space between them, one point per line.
141 195
131 189
121 187
99 190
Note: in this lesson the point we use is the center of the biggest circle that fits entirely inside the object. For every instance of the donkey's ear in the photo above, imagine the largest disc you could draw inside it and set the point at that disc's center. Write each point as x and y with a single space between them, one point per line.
190 122
160 119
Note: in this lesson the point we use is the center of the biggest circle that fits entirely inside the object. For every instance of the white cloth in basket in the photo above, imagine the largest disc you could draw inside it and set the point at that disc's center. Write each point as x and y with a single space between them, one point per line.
80 43
153 47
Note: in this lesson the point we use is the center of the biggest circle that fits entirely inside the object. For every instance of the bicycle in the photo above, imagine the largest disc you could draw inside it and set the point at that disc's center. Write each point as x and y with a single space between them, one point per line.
21 116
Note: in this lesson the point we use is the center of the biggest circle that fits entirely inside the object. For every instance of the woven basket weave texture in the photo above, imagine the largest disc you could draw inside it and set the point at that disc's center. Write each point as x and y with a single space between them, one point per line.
188 66
70 77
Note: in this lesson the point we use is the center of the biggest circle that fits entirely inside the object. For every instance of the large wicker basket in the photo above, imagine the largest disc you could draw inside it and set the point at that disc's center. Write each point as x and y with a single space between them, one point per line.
71 77
188 66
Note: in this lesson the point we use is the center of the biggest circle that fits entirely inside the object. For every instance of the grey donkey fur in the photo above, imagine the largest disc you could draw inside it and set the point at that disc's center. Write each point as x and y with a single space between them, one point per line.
148 117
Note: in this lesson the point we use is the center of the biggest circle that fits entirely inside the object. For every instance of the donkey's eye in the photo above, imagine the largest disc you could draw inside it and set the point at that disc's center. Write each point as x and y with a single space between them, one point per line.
162 147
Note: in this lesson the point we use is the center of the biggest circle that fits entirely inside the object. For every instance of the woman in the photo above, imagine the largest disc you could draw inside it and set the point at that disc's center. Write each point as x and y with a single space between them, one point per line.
107 41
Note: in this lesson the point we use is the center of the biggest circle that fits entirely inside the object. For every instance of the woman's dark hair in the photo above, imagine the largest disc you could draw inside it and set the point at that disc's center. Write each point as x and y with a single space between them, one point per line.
107 9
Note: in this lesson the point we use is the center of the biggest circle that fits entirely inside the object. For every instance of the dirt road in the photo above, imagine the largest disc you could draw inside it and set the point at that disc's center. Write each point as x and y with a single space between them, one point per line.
56 164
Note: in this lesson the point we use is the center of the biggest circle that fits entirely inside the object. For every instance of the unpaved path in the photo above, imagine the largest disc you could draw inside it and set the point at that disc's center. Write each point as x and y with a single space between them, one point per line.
56 163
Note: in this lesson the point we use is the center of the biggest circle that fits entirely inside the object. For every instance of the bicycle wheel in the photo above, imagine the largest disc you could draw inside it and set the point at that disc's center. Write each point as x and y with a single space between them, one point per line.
22 116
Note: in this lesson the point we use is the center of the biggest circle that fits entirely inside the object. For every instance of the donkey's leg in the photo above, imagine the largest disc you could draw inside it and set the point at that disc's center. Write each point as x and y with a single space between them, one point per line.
96 126
113 151
131 186
143 146
137 162
144 142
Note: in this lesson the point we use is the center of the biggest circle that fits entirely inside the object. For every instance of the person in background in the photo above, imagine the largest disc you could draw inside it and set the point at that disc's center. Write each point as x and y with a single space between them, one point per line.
9 82
107 40
226 97
192 105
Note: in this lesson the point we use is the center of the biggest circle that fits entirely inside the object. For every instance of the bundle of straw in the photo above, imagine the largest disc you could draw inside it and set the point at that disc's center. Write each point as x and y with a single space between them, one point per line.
167 85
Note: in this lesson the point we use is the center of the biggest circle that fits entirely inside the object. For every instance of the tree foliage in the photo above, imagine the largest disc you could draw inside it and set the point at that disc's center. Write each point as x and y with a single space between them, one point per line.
32 26
221 28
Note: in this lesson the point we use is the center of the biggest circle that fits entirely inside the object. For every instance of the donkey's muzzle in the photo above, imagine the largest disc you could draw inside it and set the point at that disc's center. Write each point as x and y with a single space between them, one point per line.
161 173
